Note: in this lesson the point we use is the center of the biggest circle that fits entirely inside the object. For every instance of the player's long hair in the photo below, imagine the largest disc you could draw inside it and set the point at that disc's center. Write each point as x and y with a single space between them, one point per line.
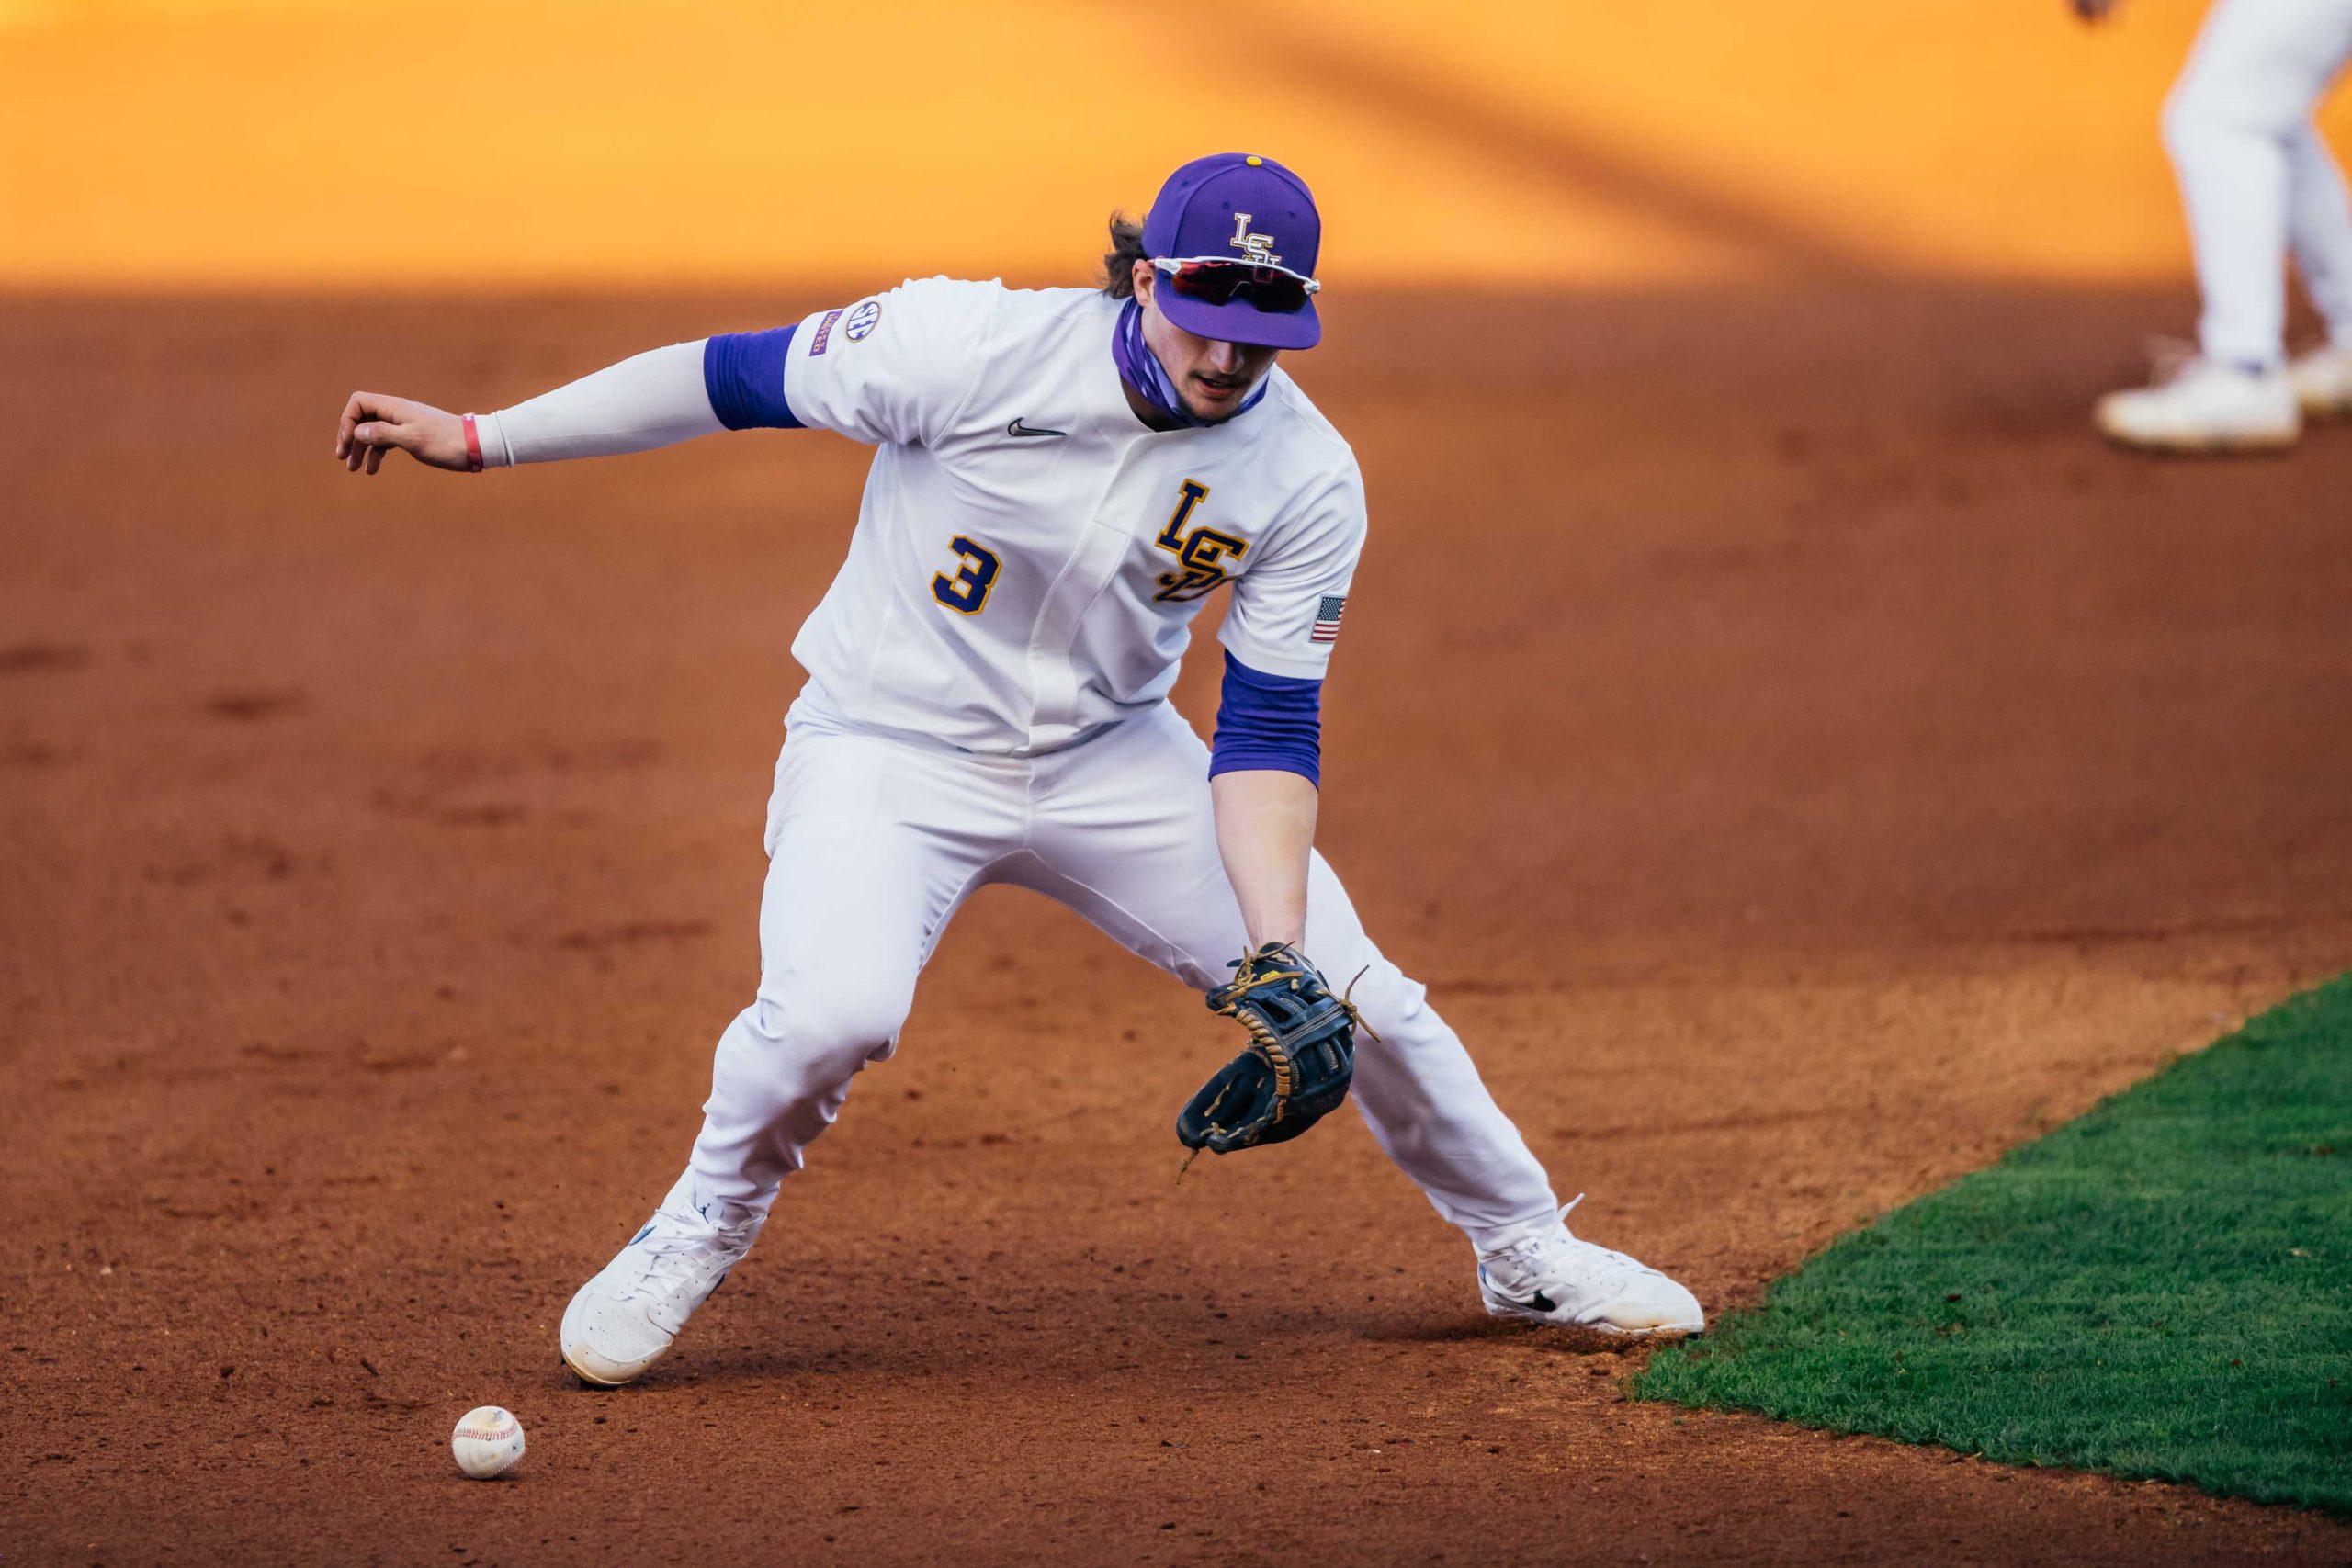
1119 261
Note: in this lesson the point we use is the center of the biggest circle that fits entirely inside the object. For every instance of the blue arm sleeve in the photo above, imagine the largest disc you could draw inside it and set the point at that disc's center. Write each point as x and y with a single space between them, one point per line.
743 373
1268 722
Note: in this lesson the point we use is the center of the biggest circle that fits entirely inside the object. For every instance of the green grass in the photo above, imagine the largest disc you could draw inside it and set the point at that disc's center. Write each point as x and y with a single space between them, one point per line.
2162 1289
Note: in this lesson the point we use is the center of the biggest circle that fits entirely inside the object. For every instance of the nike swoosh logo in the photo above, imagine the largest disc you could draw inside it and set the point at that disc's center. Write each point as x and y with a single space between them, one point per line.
1538 1301
1017 428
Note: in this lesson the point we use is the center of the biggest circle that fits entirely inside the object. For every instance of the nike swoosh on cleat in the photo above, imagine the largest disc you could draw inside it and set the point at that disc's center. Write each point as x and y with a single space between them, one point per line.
1017 428
1539 1301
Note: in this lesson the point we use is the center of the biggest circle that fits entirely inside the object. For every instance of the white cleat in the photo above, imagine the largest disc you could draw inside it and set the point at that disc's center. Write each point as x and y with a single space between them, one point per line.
1554 1278
2323 381
2205 406
622 1321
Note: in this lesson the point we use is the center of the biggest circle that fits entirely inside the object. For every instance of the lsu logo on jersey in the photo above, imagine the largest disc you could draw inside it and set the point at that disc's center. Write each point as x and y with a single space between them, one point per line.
1257 248
1201 553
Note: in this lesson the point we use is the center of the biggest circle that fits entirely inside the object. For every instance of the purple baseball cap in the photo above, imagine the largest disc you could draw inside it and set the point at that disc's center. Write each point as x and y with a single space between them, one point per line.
1238 206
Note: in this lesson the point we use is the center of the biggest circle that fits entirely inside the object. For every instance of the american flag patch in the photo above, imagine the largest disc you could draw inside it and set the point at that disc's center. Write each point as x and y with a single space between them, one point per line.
1326 618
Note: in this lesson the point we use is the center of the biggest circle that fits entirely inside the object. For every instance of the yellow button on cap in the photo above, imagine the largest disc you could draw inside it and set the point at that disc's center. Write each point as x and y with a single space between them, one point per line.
1254 160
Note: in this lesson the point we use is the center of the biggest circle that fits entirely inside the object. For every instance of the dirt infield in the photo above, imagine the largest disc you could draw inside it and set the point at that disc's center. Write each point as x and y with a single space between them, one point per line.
1801 763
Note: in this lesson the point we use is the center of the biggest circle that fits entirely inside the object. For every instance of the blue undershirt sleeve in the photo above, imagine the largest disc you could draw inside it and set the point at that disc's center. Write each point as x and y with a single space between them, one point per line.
743 373
1272 722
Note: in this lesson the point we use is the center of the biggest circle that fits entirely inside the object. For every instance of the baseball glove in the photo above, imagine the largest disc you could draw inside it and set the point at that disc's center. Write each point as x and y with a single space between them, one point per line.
1300 1060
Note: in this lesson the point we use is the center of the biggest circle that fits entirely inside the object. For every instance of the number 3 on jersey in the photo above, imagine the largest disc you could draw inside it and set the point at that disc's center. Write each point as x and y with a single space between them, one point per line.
968 590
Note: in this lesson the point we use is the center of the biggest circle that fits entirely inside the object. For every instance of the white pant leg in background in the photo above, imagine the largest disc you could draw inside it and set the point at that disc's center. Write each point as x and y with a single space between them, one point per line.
872 843
2319 229
1123 834
2232 125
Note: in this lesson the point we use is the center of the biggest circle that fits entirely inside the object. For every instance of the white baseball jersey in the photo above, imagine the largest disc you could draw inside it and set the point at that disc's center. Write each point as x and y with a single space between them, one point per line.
1029 556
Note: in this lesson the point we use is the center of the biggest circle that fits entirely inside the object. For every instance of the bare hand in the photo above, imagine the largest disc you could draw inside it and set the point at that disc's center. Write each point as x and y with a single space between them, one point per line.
2094 10
373 424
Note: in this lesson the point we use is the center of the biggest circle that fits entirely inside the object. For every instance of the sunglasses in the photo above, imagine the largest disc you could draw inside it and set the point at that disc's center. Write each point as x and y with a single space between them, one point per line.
1213 280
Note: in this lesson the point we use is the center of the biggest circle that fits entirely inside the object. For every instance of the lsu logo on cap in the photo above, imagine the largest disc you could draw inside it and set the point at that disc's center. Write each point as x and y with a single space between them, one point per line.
1258 248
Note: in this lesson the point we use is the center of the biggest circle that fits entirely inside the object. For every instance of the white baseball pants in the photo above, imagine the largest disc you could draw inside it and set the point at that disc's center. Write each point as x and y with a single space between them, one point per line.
874 840
2255 174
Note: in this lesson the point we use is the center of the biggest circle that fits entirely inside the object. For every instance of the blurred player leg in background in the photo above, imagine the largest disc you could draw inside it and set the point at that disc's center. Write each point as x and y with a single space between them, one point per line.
2319 231
2249 163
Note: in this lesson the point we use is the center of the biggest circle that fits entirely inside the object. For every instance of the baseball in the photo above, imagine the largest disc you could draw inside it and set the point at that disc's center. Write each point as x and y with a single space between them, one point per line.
488 1442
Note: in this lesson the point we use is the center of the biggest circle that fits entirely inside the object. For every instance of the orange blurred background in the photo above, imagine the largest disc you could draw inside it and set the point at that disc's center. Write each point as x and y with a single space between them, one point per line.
292 142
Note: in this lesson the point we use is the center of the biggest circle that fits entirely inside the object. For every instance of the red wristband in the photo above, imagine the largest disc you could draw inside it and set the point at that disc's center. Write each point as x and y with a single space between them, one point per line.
473 446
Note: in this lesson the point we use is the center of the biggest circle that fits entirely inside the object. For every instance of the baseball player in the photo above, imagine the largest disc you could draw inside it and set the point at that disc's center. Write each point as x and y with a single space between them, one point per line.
1061 479
2257 180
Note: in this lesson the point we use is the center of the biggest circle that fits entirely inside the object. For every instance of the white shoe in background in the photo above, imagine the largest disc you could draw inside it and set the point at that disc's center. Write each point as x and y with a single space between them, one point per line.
2323 381
2205 406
